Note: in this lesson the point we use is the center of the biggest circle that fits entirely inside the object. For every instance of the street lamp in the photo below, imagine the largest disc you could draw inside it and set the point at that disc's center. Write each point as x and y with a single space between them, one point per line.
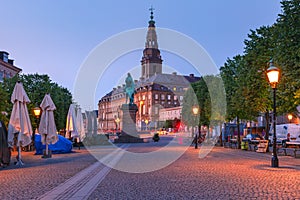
146 122
290 117
195 110
273 76
117 120
37 113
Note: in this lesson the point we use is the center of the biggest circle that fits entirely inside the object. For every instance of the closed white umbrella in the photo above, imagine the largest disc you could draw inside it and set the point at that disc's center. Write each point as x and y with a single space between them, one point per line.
19 121
47 127
80 125
71 125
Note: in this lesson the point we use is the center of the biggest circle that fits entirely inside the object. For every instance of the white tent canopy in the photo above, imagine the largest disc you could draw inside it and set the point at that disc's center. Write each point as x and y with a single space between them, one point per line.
71 125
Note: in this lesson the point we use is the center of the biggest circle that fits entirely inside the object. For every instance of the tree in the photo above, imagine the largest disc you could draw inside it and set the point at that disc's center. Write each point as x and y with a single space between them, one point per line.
36 86
4 104
189 101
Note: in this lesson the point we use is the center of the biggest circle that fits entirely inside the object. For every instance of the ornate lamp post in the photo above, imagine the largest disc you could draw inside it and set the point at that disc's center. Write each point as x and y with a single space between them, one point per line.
290 117
37 113
195 110
273 76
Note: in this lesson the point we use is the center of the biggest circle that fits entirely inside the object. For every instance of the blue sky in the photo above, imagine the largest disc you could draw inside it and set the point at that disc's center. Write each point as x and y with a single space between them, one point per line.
55 37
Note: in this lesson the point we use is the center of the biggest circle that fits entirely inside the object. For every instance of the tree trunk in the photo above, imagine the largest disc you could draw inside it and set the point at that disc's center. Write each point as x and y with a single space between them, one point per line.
221 136
267 126
239 137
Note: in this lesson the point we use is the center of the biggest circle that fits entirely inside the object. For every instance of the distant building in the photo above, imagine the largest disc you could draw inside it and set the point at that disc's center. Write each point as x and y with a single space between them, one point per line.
154 90
7 68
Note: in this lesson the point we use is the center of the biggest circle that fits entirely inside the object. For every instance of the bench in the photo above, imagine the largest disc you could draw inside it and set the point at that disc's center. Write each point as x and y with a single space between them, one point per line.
287 149
262 146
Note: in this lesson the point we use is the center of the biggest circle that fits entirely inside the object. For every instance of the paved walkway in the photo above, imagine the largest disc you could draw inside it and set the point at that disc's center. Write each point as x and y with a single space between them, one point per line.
223 174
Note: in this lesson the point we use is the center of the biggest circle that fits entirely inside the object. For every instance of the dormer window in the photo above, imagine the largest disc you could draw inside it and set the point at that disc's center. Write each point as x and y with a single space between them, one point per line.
5 57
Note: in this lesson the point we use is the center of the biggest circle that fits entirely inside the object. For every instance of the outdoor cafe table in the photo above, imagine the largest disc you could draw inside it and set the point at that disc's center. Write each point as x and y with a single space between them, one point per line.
293 144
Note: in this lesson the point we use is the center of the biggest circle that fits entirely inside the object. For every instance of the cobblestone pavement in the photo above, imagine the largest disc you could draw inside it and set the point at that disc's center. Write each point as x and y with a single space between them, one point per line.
223 174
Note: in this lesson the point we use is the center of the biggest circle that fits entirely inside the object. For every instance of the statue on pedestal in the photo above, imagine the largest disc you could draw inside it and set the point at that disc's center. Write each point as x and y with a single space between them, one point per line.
129 89
129 133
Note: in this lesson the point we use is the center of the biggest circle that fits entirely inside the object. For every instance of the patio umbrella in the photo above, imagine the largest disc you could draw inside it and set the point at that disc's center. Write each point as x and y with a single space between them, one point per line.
47 127
80 125
71 126
91 122
19 121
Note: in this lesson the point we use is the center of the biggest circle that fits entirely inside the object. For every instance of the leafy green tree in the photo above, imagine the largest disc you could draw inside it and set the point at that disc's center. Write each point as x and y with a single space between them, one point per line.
189 100
4 104
287 33
36 86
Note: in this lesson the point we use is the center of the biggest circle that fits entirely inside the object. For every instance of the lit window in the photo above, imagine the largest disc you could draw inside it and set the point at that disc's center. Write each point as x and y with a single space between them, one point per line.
181 98
169 97
144 97
156 96
175 98
144 109
162 97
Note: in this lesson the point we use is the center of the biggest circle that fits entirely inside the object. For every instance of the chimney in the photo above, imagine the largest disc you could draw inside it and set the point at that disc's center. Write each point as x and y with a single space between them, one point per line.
10 61
174 73
192 75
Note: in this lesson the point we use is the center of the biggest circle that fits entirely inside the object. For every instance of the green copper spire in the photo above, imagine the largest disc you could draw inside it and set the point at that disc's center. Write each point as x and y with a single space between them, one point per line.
151 22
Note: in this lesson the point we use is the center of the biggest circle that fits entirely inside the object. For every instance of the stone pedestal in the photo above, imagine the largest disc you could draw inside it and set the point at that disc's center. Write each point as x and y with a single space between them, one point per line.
129 133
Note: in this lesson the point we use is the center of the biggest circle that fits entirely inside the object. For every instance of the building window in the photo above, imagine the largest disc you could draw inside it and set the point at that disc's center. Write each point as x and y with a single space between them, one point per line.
1 76
155 110
162 97
181 98
144 97
169 102
144 109
175 98
5 57
7 75
174 88
156 96
169 97
149 96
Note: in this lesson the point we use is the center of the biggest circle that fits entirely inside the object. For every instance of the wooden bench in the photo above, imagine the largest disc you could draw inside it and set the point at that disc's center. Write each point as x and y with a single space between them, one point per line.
287 149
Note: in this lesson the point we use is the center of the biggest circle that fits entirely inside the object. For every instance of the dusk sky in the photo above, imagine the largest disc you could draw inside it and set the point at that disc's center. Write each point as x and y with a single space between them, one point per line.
55 37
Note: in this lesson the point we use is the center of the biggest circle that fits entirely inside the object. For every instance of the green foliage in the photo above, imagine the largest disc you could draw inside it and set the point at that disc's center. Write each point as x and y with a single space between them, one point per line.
4 104
247 89
36 86
189 100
